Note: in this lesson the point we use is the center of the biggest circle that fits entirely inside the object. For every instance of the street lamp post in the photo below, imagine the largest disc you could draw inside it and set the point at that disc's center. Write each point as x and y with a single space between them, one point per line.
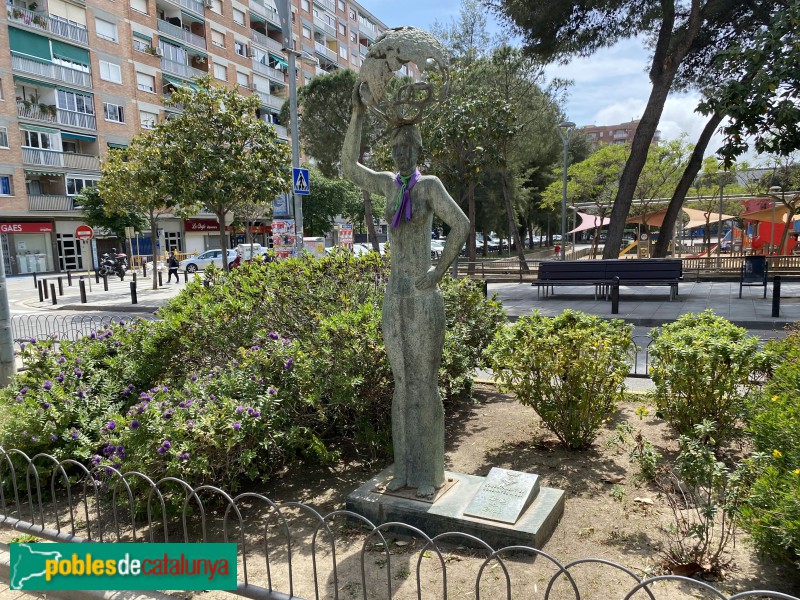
565 130
774 191
719 222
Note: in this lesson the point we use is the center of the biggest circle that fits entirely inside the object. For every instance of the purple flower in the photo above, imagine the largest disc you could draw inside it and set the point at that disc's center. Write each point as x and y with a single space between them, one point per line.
81 395
74 434
166 444
53 437
45 405
126 392
130 386
78 373
236 363
96 459
237 426
60 377
108 450
122 323
190 424
34 439
181 404
272 391
117 465
250 411
184 456
212 397
111 425
145 396
239 409
47 385
164 389
20 398
61 360
33 340
154 390
134 424
256 414
93 335
161 450
288 364
273 335
24 390
193 378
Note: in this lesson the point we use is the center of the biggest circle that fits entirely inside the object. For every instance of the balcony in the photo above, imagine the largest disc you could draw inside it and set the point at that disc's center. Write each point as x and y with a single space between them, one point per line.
265 41
181 34
45 22
50 203
270 72
325 52
54 158
326 4
61 116
51 71
266 11
326 27
192 5
180 69
281 131
269 100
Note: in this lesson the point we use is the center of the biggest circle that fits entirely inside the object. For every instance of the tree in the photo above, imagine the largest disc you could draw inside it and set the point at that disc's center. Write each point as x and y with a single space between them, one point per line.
249 213
97 213
218 154
709 189
324 114
134 179
332 196
564 28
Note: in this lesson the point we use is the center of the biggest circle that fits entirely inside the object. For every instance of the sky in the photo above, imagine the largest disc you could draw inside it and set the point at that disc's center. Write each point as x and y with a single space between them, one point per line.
609 87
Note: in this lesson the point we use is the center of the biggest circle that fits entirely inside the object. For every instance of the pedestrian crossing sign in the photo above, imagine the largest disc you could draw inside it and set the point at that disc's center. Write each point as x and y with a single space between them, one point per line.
301 183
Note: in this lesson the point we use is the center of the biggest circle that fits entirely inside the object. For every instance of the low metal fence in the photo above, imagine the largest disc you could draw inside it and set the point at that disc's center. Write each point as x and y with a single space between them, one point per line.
60 328
338 554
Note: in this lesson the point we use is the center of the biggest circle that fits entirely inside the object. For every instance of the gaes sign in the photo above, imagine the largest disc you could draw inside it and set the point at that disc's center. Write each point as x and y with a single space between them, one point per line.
84 232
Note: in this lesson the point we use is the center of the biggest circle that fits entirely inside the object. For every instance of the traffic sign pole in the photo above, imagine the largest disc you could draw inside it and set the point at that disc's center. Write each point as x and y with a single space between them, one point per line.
85 234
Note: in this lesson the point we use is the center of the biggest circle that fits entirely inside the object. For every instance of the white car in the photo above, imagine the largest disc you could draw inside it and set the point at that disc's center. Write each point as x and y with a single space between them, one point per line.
197 263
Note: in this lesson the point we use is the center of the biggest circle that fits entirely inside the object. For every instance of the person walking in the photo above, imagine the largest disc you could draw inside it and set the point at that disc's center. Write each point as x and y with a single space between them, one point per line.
172 264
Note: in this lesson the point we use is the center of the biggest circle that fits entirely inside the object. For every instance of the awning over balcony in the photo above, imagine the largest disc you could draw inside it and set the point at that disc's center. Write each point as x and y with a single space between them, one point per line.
78 136
179 82
34 82
70 53
279 60
45 173
39 128
256 17
143 36
29 44
191 17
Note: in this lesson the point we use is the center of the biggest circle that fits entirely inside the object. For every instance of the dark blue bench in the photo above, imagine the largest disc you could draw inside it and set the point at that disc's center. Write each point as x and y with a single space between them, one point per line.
601 274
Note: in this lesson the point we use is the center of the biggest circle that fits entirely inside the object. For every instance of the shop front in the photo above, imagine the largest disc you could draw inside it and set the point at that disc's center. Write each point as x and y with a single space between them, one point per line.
202 235
27 247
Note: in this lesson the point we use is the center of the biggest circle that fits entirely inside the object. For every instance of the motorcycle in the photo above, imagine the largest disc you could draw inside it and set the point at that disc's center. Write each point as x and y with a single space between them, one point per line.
116 265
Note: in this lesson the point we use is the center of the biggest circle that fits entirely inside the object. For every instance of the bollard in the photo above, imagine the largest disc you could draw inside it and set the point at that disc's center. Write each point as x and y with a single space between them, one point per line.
134 275
485 289
134 299
160 283
69 278
97 276
44 287
60 287
53 293
185 277
615 296
776 296
105 283
35 281
82 285
41 294
144 269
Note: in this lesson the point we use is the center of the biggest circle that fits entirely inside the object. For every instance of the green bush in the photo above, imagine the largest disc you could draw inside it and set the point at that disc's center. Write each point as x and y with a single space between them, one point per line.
570 369
771 513
299 342
702 367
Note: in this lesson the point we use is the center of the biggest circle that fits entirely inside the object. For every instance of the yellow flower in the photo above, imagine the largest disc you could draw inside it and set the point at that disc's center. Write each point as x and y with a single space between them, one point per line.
774 398
796 471
777 453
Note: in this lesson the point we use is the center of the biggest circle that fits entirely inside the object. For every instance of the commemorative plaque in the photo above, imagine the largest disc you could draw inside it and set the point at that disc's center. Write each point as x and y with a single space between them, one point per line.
504 496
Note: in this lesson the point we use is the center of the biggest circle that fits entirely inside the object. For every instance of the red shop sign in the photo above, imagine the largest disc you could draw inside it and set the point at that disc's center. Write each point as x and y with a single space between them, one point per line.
26 227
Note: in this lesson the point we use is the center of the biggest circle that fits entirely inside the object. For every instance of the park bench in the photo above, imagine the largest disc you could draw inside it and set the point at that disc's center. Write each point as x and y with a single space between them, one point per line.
601 274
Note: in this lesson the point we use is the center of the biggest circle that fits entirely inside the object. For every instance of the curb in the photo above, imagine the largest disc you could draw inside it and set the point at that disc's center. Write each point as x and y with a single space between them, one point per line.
5 557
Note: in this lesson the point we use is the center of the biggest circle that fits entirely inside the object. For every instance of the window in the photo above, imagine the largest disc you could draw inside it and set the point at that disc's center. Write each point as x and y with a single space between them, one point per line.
342 29
114 112
353 36
221 72
75 102
139 5
76 184
110 72
304 5
343 51
36 139
242 79
147 119
238 17
140 45
3 137
216 6
145 82
218 38
106 29
352 15
240 48
306 32
340 5
5 185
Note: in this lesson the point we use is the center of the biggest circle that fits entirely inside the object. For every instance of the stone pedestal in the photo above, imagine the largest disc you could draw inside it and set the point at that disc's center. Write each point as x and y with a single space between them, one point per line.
507 508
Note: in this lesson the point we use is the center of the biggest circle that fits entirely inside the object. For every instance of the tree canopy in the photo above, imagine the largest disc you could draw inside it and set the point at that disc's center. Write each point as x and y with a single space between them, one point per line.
97 213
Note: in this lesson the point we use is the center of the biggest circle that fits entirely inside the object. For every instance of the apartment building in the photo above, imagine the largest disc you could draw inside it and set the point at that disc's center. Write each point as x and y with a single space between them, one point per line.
80 77
622 133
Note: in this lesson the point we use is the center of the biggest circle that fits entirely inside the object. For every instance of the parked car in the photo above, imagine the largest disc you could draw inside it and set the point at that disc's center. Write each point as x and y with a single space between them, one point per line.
437 246
198 263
